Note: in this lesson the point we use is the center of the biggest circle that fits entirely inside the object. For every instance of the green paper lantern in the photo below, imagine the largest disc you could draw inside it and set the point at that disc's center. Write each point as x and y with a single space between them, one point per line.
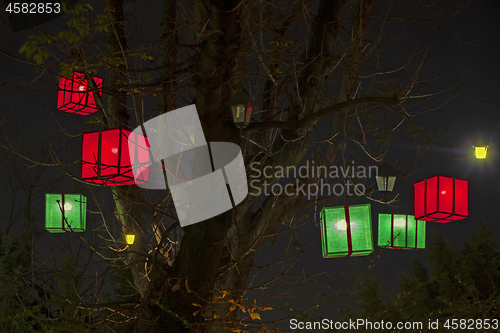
346 231
400 232
65 212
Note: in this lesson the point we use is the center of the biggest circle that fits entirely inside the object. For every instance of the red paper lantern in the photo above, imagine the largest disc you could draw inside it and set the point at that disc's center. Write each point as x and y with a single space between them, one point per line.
107 158
75 95
441 199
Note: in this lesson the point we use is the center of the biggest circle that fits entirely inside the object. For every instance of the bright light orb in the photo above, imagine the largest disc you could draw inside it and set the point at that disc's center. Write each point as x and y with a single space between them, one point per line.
443 192
399 223
341 226
67 207
114 150
81 88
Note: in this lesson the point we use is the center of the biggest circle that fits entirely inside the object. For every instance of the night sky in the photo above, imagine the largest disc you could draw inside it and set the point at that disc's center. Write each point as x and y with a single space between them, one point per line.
474 111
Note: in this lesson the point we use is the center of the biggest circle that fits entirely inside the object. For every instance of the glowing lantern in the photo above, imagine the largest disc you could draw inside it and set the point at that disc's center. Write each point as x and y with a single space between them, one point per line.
76 95
65 212
107 159
480 152
241 108
400 232
130 238
346 231
441 199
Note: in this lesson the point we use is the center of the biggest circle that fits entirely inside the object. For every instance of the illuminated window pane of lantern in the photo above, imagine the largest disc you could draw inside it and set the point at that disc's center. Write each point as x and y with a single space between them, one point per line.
130 238
76 96
346 231
241 109
65 212
400 232
441 199
480 152
386 178
107 158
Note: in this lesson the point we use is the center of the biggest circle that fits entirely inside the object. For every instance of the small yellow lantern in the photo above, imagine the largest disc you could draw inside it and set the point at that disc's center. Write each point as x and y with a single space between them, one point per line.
480 151
130 238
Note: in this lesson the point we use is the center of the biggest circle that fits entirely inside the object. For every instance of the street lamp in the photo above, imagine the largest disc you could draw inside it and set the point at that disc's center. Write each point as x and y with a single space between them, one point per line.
241 108
386 178
297 245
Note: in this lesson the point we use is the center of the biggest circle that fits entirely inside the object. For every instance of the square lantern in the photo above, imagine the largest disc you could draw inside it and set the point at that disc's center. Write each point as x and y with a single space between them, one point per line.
76 96
346 231
441 199
110 157
400 232
65 212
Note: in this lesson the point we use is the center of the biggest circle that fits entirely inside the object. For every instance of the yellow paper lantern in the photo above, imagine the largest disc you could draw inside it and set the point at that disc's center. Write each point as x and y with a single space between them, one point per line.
480 152
130 239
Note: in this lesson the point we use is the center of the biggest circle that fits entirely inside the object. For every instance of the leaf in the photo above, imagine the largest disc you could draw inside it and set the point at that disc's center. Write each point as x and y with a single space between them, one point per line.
264 308
187 286
254 315
177 285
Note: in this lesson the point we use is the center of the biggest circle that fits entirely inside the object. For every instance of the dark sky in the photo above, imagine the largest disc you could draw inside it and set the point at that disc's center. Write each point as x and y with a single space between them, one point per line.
474 111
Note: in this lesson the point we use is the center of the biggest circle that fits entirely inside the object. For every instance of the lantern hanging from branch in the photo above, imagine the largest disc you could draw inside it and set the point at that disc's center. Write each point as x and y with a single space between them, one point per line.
346 231
386 178
65 212
441 199
111 157
241 108
76 95
130 238
400 232
480 151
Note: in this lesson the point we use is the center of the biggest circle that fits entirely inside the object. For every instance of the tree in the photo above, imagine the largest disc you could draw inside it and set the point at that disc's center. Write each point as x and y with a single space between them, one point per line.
32 298
316 69
463 286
